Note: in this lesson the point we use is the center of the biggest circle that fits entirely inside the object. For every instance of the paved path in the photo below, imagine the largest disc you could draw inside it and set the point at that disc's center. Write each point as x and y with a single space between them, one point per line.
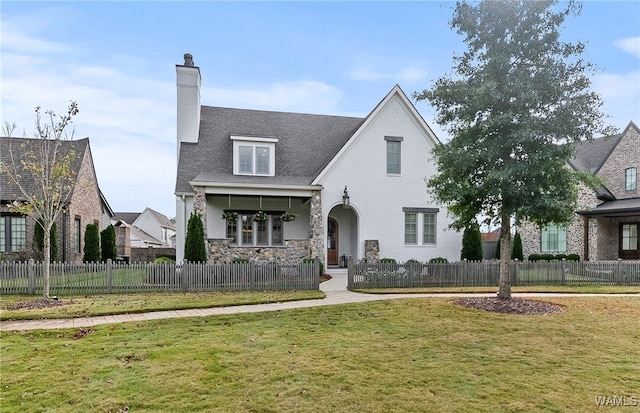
335 290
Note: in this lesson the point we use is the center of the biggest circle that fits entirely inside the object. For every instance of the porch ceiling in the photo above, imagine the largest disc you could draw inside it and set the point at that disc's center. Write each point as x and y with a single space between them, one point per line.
257 189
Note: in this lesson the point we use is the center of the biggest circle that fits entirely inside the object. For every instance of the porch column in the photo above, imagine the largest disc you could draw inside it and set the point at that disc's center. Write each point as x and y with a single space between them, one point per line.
585 241
316 226
200 206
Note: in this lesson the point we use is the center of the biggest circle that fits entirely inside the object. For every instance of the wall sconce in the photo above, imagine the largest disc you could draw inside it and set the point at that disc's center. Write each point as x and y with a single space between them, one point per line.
346 203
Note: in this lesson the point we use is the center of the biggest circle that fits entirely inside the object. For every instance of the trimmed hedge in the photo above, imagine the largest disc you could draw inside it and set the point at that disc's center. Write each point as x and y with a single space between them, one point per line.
552 257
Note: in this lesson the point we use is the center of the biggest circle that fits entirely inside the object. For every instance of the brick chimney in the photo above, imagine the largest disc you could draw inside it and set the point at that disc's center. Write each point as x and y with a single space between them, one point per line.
188 115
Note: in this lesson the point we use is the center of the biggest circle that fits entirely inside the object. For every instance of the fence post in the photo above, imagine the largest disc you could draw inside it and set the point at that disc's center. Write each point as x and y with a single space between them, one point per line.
514 272
619 272
316 274
564 269
465 271
32 277
252 276
109 276
186 269
350 274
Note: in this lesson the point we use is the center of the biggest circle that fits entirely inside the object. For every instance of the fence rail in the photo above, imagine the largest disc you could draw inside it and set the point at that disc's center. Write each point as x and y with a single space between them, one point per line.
110 277
487 273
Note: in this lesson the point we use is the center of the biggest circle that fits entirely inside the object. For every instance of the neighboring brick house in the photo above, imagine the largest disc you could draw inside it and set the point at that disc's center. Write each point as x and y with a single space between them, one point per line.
606 223
87 204
282 186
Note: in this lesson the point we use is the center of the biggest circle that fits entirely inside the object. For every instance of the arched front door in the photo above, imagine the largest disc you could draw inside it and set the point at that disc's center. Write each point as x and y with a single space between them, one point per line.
332 242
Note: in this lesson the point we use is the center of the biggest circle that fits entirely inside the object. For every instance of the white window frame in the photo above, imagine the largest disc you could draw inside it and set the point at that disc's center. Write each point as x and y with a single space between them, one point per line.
631 179
420 222
255 144
393 141
559 233
239 228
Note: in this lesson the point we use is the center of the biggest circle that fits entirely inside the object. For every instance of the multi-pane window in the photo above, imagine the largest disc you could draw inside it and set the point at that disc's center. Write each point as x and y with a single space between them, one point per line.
393 155
631 179
429 229
420 226
245 159
254 155
629 237
254 232
262 160
13 233
77 245
410 228
554 239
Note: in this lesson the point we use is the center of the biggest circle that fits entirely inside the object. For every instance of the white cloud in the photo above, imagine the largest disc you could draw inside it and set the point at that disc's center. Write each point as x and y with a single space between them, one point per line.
408 73
298 96
620 96
630 45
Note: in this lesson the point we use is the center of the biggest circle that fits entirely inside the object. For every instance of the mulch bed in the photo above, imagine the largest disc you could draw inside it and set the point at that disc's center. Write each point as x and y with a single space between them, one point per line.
509 306
38 303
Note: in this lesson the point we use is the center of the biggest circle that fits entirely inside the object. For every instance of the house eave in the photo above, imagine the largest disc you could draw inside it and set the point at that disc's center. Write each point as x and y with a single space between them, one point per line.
255 189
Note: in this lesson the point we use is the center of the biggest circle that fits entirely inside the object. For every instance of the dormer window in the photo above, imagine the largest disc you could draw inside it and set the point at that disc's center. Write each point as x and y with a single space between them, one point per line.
254 156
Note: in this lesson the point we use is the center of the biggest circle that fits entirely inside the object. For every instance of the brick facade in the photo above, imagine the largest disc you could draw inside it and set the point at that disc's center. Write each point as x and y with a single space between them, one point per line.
602 232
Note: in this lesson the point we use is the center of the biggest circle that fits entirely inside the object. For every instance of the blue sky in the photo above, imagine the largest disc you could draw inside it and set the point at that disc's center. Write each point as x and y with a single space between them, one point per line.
117 60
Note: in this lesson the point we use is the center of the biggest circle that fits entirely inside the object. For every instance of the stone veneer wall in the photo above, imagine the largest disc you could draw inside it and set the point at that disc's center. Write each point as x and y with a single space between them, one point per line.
316 227
200 206
293 252
531 237
371 250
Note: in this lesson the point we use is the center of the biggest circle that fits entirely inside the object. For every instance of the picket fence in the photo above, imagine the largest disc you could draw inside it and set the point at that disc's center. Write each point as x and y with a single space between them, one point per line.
362 275
110 277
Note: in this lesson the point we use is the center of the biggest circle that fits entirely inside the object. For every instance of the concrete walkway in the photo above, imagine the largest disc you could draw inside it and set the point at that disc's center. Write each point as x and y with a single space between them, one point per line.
335 290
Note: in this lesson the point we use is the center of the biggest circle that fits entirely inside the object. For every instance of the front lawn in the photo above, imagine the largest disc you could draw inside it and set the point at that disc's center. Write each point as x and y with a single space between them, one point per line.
109 304
410 355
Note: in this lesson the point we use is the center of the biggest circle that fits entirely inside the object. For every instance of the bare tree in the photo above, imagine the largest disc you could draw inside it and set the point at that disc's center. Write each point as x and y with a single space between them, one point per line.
41 169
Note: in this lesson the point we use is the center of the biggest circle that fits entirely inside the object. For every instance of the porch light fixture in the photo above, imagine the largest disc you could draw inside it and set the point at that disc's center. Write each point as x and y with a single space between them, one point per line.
346 203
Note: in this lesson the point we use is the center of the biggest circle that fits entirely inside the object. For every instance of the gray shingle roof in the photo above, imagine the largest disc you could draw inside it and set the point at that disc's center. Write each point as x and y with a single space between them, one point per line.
306 143
19 147
591 155
619 207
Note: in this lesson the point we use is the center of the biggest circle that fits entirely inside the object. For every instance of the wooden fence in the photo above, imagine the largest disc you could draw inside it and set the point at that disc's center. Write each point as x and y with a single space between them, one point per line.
110 277
487 273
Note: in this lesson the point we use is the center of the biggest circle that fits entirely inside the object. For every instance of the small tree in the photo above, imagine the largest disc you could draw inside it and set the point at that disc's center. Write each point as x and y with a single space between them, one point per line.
41 169
108 250
91 244
194 247
38 240
516 253
472 243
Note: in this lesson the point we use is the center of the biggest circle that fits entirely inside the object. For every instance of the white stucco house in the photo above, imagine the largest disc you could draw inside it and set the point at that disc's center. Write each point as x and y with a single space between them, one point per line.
294 186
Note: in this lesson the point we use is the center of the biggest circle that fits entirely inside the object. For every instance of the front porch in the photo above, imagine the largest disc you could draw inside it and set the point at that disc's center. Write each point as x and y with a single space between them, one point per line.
611 231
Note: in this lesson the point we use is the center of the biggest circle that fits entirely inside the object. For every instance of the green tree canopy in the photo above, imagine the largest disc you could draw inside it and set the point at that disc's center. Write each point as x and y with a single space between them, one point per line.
472 243
108 249
518 98
91 244
194 246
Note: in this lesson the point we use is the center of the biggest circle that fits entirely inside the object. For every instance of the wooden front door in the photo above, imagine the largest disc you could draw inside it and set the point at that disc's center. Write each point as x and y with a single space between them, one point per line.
629 242
332 242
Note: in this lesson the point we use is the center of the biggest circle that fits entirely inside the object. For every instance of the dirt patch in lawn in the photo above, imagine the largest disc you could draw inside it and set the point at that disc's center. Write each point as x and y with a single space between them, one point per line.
509 306
38 303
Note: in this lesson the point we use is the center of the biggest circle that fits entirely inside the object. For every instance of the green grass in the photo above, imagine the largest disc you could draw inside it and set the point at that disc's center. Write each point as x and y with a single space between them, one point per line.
108 304
583 289
410 355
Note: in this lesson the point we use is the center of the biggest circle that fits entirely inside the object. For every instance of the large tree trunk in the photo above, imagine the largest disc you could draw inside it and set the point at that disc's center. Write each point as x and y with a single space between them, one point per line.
504 291
46 260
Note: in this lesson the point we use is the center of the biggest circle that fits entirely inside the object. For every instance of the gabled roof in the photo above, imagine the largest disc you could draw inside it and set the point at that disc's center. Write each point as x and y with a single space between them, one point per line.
21 146
591 155
126 217
305 144
162 219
